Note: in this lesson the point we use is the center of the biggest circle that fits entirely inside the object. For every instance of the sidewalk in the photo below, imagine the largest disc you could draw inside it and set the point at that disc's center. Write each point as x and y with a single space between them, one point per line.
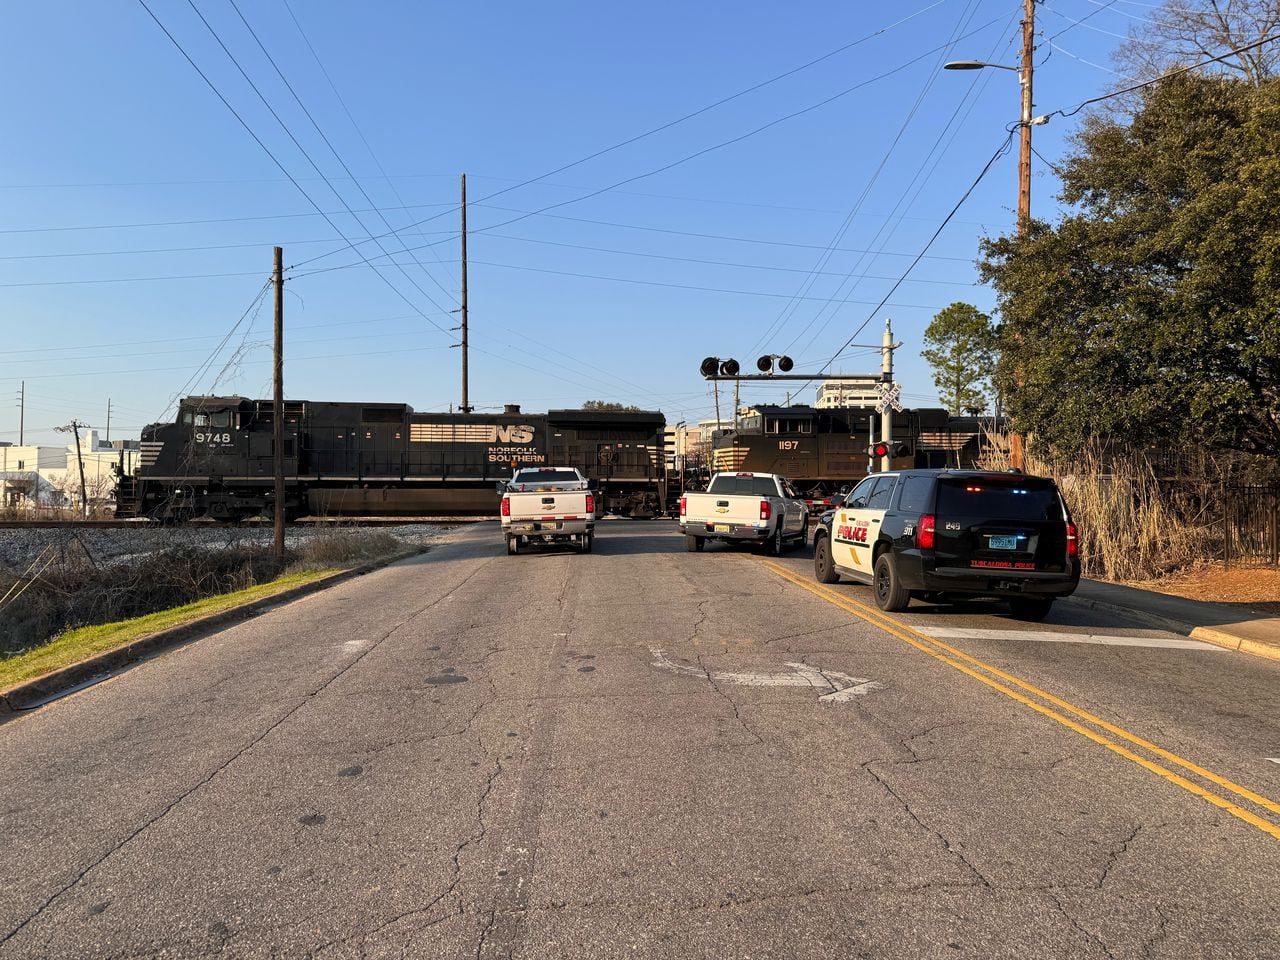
1234 626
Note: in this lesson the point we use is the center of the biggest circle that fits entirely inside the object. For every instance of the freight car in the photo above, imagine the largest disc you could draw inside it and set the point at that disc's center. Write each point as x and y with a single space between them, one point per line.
823 450
216 459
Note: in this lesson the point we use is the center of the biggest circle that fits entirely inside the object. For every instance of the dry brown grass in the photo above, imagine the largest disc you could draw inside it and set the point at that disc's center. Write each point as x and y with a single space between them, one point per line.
340 546
1130 529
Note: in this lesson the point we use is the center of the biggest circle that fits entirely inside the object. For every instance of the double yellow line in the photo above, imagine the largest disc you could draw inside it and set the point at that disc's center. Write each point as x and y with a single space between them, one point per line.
1055 708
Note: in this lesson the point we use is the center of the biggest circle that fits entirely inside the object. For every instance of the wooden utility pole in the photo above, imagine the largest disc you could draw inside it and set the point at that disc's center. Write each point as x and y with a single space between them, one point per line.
108 440
277 408
1024 153
73 428
22 415
466 398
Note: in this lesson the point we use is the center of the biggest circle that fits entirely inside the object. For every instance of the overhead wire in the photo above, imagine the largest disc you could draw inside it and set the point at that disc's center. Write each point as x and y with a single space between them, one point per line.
355 126
923 173
349 244
1072 111
696 154
337 156
789 309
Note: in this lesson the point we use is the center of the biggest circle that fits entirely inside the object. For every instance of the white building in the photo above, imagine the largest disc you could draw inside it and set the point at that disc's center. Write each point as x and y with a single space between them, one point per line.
833 394
35 476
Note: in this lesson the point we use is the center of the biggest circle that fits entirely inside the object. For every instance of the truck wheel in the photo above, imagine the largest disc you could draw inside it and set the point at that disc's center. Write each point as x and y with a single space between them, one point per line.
693 544
1030 608
824 565
775 545
890 594
513 545
587 540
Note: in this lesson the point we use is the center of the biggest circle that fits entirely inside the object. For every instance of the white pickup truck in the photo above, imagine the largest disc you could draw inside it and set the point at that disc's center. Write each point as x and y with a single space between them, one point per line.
745 508
548 504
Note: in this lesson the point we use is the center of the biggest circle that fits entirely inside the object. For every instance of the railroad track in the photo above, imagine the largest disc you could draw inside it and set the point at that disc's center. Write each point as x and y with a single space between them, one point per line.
245 525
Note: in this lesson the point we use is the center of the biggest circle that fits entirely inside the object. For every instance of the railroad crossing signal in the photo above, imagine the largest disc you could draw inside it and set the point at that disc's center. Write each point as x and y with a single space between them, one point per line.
883 449
890 396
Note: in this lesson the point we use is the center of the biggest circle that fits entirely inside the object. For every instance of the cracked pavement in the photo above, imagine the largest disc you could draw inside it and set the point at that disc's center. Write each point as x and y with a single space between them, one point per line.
472 755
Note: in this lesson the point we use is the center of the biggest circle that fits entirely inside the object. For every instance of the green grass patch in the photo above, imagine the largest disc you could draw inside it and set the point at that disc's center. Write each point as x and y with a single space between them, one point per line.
82 643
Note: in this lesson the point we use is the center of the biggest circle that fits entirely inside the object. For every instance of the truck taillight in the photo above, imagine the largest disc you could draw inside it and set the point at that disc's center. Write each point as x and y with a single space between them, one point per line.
1073 541
591 504
684 506
926 530
506 506
766 511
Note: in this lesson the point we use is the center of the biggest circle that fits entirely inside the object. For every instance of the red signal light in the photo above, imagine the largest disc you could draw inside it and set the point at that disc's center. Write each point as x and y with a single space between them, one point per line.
926 532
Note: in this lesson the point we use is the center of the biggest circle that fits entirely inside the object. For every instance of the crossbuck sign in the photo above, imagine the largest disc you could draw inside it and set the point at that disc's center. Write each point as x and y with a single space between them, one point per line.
889 396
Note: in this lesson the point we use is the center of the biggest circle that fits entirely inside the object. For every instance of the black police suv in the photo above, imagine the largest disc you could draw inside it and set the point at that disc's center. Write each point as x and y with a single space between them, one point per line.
939 535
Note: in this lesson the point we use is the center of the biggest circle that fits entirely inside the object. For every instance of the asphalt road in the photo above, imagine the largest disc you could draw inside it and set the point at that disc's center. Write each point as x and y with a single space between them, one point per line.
644 752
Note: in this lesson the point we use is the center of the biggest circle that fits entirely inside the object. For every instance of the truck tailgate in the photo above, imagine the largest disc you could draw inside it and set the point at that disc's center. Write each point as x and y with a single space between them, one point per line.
549 505
722 508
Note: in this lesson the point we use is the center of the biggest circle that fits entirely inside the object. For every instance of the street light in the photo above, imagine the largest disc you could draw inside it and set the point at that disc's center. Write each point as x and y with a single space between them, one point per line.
1025 124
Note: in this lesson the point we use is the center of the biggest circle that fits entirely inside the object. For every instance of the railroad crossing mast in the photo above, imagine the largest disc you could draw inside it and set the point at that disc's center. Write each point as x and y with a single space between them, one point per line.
890 393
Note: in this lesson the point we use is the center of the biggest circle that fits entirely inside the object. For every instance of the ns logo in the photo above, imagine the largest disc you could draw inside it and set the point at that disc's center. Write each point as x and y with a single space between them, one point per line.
513 434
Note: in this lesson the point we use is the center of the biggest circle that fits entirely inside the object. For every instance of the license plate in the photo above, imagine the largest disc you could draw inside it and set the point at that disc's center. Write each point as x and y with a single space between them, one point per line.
722 528
1002 543
549 526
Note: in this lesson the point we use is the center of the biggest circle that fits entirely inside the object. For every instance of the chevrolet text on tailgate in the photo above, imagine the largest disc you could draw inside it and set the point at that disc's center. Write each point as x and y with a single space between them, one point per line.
745 508
942 535
548 505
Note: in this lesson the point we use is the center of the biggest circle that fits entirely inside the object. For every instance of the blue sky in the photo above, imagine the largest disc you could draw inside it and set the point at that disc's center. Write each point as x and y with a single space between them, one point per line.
138 214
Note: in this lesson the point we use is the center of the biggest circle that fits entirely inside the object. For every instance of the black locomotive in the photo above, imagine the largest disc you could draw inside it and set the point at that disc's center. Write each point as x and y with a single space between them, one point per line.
216 459
823 450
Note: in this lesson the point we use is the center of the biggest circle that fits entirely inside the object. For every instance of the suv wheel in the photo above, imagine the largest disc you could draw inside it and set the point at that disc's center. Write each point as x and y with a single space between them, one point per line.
890 594
1030 608
824 566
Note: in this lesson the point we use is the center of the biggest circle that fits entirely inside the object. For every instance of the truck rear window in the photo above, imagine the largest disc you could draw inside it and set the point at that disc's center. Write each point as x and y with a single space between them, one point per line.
747 486
1013 498
546 476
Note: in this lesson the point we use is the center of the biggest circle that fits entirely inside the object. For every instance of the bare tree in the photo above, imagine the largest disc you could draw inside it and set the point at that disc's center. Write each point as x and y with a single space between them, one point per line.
1183 32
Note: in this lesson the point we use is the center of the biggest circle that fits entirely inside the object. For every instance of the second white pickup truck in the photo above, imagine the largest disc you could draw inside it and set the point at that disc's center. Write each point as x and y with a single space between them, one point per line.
745 507
548 505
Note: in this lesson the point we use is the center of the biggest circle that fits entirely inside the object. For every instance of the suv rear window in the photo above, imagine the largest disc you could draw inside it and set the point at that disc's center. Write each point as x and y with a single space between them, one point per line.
749 486
999 498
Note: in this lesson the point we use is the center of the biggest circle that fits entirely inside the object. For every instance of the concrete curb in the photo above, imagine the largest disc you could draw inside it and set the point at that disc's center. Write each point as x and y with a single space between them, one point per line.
1214 635
33 693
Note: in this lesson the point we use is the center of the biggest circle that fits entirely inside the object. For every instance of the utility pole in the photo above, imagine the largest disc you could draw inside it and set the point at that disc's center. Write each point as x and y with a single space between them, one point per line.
886 374
466 398
22 415
108 440
277 409
1024 153
736 385
715 384
74 428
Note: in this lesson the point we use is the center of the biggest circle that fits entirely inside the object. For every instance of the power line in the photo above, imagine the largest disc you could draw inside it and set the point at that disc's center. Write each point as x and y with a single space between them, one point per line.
273 157
332 149
350 117
923 173
714 263
1072 111
1000 151
790 308
1076 23
699 153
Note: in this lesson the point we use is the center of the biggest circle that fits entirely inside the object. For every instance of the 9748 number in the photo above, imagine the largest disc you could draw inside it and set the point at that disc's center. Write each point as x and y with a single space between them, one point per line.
213 438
